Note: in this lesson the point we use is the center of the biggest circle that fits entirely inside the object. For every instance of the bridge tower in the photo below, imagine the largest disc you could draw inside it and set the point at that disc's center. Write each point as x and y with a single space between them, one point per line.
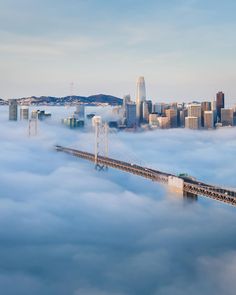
101 141
33 127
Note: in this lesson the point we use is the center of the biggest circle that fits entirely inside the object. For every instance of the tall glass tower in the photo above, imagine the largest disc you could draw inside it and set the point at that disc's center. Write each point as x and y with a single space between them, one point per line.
140 97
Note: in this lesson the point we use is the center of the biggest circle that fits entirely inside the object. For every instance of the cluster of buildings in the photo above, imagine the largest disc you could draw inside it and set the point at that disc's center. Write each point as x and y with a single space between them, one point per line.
24 112
195 115
77 119
146 114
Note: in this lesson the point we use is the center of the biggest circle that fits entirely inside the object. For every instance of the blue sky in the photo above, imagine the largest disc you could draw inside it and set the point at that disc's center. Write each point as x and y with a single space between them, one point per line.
185 48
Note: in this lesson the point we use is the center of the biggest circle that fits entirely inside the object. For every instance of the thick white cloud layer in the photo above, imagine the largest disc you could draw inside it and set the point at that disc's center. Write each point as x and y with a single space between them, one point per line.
68 229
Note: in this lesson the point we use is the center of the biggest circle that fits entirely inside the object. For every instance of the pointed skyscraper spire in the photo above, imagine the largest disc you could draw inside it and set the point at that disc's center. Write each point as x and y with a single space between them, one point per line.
140 97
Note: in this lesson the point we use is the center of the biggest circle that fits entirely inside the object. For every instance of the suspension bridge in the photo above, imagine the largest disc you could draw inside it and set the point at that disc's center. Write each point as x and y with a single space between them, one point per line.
187 186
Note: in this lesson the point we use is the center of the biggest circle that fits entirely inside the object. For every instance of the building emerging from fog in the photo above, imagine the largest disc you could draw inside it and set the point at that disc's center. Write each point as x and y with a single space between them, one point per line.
140 97
192 123
171 114
227 117
194 110
24 113
220 103
130 115
208 119
13 110
79 114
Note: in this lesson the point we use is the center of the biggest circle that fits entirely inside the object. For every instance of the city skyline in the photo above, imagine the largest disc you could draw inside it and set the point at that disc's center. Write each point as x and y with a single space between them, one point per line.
117 155
185 49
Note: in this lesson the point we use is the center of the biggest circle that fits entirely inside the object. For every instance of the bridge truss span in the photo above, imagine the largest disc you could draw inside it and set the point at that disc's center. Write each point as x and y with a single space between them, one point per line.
187 186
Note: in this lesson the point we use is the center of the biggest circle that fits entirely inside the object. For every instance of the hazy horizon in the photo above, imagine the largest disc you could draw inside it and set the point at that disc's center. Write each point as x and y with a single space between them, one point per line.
185 49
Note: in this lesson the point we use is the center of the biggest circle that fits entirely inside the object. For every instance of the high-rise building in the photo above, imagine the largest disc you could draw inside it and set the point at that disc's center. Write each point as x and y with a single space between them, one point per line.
157 108
80 112
153 122
213 108
194 110
149 103
208 120
182 115
205 106
145 110
163 122
126 99
234 108
131 118
171 114
13 110
140 97
220 103
227 117
192 122
24 113
73 122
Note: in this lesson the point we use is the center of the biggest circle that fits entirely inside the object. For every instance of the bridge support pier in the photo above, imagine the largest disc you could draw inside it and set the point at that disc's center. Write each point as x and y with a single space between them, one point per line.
190 196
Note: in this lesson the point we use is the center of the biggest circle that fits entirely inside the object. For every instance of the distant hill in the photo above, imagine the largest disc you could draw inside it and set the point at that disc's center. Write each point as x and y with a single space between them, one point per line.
3 102
68 100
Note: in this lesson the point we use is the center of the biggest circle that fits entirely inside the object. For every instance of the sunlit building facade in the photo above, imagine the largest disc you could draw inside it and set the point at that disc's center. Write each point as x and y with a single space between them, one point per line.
140 97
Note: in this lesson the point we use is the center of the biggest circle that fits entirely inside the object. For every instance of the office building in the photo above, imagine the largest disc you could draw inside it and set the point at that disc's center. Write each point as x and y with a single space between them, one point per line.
13 110
205 106
73 123
157 108
80 112
153 122
194 110
220 103
126 99
208 120
40 115
140 97
163 122
149 103
182 115
145 110
171 114
234 109
227 117
213 108
24 113
192 123
131 118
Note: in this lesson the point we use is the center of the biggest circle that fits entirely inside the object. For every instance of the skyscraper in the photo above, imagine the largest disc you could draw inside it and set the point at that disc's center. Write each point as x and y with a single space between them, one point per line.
13 110
194 110
227 117
172 116
131 115
206 106
145 111
192 122
126 100
220 103
24 113
140 97
208 119
80 111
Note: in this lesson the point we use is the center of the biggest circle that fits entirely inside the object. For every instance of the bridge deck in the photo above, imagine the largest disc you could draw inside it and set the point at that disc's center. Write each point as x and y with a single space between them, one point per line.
190 186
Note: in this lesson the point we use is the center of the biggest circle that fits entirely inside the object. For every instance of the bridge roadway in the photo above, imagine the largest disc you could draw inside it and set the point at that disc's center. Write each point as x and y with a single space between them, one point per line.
190 186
